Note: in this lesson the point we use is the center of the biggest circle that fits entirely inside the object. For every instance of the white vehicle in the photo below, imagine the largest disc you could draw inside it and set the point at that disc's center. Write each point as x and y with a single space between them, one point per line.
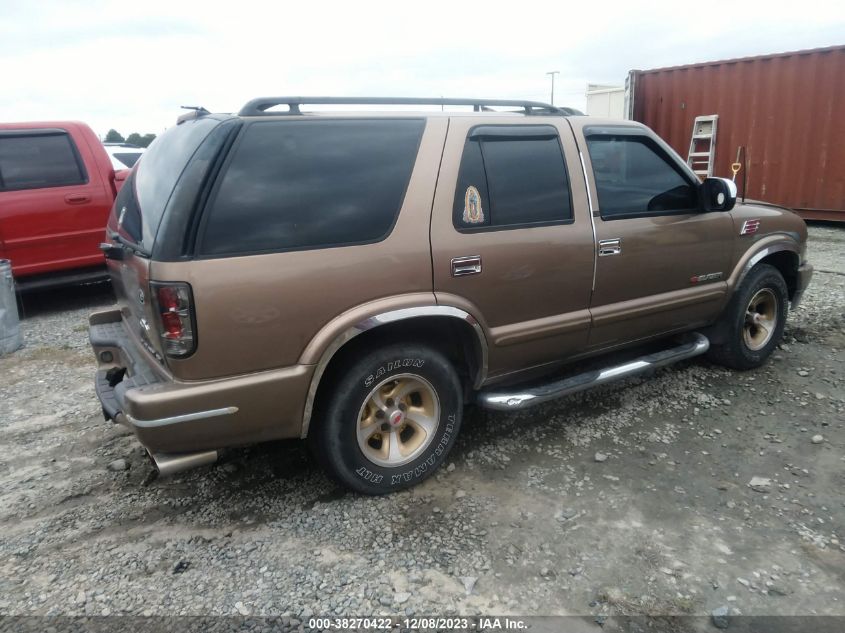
123 155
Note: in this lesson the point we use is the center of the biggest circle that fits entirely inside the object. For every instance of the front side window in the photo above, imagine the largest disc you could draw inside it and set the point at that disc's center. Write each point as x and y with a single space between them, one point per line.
33 161
309 184
635 178
510 177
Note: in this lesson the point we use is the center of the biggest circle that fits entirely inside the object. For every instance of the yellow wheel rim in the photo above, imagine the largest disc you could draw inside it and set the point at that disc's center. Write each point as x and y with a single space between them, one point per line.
398 420
760 319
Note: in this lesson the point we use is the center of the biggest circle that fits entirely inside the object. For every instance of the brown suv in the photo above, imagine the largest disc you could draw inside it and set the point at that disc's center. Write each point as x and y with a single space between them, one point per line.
357 278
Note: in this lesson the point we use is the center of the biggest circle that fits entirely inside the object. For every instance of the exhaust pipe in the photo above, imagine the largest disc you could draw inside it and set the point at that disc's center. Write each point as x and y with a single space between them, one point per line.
169 463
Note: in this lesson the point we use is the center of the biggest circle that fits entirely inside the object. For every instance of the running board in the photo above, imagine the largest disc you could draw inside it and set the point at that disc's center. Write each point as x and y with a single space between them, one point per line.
513 400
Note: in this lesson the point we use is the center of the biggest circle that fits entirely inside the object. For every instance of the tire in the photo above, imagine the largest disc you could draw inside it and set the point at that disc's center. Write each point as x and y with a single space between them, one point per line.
750 340
388 419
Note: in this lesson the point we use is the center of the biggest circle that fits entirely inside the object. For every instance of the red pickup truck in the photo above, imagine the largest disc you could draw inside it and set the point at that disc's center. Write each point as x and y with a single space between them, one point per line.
57 186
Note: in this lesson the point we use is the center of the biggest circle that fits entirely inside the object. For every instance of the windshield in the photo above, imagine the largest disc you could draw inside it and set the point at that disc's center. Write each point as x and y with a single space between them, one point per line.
141 202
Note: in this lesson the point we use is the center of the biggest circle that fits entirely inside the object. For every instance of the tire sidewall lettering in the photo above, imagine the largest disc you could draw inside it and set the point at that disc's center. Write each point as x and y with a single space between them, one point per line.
429 462
403 363
368 475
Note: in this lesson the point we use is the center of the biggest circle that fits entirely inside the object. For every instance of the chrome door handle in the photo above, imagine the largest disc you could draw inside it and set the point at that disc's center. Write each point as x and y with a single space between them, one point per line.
610 247
470 265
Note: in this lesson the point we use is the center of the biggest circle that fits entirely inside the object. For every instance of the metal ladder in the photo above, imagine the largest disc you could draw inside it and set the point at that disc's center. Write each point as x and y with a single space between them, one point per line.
702 145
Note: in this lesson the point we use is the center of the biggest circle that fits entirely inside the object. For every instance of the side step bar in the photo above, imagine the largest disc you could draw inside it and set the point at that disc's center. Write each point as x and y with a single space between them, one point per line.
513 400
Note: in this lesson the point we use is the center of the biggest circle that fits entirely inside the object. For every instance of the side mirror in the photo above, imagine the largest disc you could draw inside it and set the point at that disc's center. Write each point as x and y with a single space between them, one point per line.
718 194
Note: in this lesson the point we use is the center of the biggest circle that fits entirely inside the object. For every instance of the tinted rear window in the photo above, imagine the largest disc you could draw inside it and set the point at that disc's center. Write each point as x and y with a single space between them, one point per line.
512 176
157 175
39 160
306 184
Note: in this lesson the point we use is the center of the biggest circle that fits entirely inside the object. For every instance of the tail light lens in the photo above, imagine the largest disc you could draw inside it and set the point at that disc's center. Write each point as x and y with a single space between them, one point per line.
175 307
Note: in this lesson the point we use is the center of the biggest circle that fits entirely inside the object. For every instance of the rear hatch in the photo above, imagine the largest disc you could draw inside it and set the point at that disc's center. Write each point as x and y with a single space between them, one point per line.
160 195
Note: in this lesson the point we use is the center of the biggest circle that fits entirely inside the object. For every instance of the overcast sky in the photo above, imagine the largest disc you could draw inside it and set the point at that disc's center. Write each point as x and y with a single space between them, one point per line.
129 65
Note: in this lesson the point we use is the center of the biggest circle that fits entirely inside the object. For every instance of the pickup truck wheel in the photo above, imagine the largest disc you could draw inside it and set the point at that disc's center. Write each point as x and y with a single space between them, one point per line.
390 419
754 320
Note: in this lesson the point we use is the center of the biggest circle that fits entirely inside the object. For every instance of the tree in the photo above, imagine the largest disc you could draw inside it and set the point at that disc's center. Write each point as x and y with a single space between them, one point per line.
113 136
139 140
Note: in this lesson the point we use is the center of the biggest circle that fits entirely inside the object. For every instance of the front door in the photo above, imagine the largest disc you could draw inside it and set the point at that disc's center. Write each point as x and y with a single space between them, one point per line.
53 210
511 237
662 263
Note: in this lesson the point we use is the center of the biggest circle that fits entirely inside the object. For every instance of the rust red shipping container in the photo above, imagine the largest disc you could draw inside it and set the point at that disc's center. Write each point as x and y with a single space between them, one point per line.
787 110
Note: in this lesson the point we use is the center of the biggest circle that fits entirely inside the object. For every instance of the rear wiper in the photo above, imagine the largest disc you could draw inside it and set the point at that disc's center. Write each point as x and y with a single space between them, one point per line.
117 237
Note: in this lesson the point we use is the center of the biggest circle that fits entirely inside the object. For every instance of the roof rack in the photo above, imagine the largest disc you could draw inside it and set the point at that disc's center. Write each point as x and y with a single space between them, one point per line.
259 106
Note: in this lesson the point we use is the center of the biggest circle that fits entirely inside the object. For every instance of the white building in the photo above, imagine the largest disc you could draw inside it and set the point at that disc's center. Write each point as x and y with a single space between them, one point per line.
606 101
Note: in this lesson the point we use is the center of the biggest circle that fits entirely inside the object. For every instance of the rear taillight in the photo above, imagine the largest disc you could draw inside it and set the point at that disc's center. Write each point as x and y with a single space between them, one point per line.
174 305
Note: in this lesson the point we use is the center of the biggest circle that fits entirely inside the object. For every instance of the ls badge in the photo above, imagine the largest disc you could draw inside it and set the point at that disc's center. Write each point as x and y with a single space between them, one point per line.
473 213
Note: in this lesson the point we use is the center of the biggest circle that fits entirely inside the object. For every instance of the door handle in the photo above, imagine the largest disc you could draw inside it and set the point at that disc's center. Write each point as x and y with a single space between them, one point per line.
610 247
77 198
462 266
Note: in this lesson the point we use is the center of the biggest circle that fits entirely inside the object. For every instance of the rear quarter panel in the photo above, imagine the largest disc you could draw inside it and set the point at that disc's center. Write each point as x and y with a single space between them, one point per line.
260 312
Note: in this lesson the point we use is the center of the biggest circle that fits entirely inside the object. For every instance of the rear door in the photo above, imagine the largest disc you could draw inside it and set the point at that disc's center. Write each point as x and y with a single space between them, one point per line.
511 239
162 190
53 202
662 262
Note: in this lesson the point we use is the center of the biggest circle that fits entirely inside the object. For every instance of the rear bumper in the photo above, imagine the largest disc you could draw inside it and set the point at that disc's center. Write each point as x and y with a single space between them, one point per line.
174 416
805 274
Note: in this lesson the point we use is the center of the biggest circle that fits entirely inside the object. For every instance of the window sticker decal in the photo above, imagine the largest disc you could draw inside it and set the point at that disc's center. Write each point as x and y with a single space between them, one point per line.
473 213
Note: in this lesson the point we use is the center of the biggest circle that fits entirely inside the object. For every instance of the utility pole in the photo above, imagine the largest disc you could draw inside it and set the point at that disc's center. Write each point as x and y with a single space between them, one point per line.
553 73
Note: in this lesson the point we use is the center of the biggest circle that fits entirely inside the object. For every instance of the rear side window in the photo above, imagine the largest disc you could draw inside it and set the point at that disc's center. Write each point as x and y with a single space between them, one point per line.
32 161
635 178
308 184
139 208
511 177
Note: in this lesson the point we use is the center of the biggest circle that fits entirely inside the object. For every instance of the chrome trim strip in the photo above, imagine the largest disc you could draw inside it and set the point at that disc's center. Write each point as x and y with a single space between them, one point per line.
501 400
382 319
592 218
587 184
178 419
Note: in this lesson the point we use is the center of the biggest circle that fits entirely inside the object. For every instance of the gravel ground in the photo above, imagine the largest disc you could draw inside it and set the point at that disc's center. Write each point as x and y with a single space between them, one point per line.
633 499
